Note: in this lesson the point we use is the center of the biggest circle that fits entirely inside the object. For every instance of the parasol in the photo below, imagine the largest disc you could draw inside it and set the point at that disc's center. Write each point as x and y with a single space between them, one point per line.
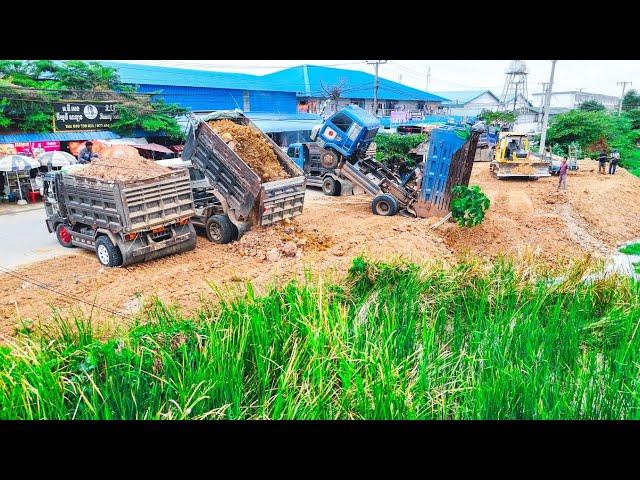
18 163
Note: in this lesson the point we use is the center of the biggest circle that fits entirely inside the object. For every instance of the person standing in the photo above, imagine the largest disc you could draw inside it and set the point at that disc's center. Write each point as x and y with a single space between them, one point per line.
87 154
613 163
562 175
602 160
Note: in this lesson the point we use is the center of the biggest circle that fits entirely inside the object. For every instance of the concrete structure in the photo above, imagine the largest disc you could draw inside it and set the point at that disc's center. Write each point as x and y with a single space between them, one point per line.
468 102
569 100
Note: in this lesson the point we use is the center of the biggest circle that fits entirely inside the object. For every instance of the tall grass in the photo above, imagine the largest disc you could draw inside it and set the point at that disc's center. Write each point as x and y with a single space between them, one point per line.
392 341
633 249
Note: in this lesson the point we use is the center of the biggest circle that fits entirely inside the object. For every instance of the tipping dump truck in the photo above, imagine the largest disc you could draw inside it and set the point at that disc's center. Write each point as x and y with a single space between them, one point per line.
427 192
512 158
124 222
245 199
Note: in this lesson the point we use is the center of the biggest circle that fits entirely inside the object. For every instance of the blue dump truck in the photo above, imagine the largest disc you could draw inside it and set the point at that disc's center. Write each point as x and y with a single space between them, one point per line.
338 161
345 135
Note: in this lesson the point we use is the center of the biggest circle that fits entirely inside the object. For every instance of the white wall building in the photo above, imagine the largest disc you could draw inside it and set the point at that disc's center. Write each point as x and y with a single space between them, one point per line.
573 99
469 103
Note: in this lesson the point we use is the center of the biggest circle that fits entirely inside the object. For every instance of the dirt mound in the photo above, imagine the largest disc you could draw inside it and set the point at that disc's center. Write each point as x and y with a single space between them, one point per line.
123 163
252 148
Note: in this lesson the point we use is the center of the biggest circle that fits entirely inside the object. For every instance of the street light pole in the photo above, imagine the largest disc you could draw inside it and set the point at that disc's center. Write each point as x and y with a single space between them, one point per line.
545 116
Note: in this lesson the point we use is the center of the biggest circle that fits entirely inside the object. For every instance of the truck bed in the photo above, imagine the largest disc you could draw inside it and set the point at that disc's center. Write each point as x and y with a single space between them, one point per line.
129 207
247 196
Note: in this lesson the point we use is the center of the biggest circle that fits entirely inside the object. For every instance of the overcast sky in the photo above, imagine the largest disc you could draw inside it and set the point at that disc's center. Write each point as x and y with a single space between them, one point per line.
595 76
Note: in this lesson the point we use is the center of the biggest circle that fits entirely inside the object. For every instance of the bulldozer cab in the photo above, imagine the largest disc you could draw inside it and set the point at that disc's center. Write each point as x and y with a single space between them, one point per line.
512 147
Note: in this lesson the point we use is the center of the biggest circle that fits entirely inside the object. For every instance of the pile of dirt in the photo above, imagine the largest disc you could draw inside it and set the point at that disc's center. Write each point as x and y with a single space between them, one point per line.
251 147
288 239
524 169
122 163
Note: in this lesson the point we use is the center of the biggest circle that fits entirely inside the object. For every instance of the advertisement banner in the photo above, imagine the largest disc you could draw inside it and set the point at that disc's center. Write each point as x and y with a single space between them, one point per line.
399 116
83 116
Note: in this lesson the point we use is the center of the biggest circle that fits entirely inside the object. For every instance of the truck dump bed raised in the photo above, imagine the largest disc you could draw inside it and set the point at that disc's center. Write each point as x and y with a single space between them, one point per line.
128 207
248 198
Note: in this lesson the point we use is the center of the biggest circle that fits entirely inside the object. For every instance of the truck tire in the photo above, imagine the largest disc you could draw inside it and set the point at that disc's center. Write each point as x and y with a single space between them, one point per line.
220 229
330 187
63 234
329 159
385 205
108 254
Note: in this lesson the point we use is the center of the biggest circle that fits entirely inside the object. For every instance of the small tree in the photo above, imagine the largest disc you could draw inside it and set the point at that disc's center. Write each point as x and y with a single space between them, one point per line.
591 106
333 92
631 100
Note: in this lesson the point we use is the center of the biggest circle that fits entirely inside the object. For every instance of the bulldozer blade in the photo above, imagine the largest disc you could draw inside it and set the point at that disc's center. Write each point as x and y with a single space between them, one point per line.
523 169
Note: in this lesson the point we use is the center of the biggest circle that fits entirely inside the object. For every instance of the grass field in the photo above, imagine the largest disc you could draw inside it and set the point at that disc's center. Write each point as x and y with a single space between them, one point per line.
477 341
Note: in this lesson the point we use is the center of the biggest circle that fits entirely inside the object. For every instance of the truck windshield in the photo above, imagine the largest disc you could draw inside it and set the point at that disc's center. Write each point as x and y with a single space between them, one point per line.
342 121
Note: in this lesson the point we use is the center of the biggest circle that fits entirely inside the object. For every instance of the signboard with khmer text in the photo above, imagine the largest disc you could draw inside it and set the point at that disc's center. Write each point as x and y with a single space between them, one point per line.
84 116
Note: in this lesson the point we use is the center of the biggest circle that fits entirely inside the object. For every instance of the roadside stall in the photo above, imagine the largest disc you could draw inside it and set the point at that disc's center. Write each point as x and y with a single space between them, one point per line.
21 166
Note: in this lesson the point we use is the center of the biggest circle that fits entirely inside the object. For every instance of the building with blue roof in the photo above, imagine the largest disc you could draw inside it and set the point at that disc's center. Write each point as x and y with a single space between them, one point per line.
311 83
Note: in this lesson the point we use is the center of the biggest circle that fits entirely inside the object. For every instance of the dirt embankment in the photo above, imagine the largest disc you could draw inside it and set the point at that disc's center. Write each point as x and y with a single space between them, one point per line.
525 217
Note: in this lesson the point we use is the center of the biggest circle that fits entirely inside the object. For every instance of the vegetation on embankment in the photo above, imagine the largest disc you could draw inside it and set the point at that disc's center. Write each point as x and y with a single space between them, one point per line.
476 341
633 249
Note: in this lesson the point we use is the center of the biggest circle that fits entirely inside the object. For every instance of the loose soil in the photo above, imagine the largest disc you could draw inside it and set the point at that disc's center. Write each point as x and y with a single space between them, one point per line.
122 163
526 219
251 147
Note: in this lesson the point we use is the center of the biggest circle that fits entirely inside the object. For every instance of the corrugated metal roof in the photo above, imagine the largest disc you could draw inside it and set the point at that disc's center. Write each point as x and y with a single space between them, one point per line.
308 80
156 75
60 136
464 96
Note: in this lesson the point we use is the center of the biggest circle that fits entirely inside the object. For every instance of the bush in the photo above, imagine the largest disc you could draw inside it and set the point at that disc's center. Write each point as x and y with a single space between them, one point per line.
469 205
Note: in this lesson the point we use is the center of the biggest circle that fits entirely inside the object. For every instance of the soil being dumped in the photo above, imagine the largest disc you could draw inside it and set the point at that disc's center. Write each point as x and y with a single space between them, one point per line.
123 163
251 147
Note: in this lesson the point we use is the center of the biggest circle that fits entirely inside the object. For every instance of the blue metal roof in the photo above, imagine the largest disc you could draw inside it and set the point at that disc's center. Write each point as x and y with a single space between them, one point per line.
294 122
156 75
60 136
308 80
463 97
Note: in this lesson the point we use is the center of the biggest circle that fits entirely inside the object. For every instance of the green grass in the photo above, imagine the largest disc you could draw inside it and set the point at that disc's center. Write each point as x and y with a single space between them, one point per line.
388 342
636 267
632 249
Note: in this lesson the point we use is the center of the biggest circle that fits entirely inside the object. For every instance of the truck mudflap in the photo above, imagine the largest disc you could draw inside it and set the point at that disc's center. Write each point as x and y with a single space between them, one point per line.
183 238
281 199
521 169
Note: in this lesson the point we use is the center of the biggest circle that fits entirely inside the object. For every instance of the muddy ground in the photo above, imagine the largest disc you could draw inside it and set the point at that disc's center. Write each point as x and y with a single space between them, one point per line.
596 214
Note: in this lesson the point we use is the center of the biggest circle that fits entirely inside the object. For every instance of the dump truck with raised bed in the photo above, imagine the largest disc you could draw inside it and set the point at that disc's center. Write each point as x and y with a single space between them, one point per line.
427 192
124 222
262 188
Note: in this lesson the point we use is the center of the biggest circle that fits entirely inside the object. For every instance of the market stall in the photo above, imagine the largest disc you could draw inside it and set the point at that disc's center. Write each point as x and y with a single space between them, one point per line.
19 185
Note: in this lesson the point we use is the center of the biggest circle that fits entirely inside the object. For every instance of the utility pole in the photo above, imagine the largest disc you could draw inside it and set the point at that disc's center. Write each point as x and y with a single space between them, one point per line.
624 87
545 85
376 64
428 78
545 116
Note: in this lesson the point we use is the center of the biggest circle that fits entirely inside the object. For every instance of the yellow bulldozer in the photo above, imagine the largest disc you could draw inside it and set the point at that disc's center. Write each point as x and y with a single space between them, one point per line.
512 158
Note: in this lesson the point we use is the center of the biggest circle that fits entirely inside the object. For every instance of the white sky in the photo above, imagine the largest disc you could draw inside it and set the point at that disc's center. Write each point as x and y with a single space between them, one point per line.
594 76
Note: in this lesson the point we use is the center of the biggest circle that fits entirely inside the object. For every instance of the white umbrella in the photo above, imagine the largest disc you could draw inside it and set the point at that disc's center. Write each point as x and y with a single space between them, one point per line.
56 159
17 163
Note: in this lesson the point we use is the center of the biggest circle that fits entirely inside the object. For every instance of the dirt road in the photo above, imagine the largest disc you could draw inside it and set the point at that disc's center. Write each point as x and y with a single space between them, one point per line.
596 214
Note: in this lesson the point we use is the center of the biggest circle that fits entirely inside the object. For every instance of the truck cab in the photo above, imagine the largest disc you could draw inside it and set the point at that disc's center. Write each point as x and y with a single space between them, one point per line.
347 133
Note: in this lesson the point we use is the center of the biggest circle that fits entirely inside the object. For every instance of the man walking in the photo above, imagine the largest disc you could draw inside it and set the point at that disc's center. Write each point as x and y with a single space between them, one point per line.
613 163
87 154
562 175
602 160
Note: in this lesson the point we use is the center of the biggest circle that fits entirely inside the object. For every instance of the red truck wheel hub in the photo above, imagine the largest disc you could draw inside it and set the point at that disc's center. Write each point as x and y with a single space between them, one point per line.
65 236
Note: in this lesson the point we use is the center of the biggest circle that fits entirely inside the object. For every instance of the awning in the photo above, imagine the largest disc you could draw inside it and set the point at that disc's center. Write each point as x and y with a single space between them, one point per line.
154 147
59 136
127 141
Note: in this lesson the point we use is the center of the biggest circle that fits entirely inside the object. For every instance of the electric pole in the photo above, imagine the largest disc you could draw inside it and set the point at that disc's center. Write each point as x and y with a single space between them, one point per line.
545 85
376 64
545 116
428 78
624 87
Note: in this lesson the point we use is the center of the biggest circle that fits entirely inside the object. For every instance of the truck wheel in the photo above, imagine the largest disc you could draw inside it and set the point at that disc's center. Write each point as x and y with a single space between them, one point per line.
385 205
63 234
108 254
329 159
330 187
220 229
